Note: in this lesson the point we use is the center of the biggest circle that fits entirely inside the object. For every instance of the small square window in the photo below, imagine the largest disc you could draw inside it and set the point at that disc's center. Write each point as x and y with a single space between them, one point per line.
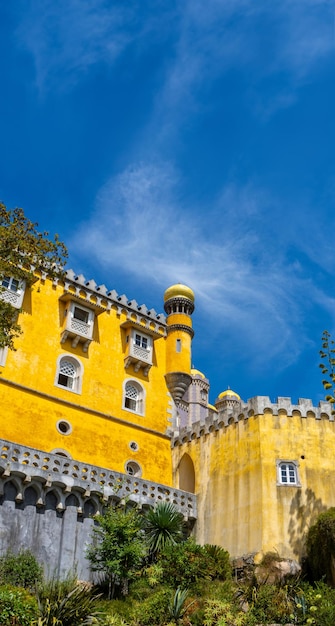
141 341
81 314
11 283
287 473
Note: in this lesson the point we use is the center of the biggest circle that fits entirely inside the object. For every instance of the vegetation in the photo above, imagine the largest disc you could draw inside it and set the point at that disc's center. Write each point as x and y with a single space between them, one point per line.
163 527
66 603
17 606
186 585
118 547
21 570
321 547
327 366
24 248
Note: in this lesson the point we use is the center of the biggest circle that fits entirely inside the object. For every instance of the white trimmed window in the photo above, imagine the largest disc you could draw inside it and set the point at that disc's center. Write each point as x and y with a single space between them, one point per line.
12 291
3 356
69 373
139 350
133 397
287 473
78 325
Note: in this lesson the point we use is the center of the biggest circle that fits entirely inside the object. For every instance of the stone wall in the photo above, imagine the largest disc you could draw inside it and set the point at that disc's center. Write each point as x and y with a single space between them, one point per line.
48 503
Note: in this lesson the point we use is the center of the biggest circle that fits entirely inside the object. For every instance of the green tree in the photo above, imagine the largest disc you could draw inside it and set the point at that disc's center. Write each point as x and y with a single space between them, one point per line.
22 250
327 366
118 547
163 526
320 546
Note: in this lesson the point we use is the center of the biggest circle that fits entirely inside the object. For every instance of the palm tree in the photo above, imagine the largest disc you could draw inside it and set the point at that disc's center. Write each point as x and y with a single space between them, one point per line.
163 526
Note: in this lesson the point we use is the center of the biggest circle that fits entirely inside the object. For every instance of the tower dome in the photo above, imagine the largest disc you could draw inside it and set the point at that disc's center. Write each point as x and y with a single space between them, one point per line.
227 399
229 393
179 291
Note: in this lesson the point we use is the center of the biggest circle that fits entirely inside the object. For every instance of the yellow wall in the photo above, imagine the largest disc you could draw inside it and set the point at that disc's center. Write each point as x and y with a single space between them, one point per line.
96 437
240 504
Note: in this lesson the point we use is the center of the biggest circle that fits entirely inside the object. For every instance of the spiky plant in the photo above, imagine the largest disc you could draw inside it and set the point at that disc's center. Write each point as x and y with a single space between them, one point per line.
163 526
66 603
177 609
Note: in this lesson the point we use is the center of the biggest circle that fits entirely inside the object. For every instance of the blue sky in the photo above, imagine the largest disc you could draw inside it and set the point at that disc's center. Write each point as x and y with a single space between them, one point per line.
186 142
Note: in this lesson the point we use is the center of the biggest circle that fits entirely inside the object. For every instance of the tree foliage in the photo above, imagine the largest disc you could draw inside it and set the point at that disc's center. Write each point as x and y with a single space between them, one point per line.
320 546
118 547
327 366
163 526
23 248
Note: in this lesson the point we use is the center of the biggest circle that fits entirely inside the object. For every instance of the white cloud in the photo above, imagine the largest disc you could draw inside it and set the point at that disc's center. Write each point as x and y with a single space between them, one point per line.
240 273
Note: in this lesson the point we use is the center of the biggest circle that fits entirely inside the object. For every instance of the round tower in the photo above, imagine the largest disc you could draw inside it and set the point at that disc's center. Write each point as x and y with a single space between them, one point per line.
179 306
228 399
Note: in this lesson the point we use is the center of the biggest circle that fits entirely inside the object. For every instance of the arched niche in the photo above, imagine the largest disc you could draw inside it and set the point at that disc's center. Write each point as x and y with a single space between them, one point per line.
186 474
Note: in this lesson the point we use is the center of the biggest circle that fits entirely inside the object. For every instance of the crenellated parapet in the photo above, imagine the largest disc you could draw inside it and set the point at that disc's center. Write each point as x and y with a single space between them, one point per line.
259 405
91 487
99 297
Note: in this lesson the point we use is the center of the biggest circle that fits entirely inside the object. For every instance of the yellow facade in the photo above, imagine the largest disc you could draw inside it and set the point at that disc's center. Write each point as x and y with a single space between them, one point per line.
101 428
105 382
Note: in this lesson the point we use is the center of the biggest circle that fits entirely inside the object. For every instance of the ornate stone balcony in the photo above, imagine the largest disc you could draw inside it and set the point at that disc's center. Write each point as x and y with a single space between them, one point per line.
45 471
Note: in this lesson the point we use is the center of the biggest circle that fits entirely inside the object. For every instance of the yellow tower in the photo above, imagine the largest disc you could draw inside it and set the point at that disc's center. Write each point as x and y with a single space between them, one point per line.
179 306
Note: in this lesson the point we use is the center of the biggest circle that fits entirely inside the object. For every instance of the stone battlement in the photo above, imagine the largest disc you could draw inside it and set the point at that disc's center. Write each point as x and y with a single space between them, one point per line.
100 296
238 410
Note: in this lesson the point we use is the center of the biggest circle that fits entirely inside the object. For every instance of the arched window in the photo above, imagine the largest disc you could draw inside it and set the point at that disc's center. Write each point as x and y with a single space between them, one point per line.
133 397
69 373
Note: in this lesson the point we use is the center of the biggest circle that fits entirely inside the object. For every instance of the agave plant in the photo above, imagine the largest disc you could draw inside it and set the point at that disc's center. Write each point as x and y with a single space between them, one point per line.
66 603
163 526
176 608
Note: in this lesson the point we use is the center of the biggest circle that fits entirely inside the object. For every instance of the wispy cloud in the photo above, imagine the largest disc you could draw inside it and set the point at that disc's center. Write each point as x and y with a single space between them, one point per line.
68 37
241 275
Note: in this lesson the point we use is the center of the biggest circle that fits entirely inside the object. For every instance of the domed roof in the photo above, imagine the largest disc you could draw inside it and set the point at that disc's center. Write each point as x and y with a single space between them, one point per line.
179 291
229 393
195 372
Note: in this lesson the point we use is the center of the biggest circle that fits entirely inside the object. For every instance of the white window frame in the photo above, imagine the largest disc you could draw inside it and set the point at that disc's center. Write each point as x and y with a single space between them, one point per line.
287 473
78 374
10 295
89 314
3 356
139 407
141 340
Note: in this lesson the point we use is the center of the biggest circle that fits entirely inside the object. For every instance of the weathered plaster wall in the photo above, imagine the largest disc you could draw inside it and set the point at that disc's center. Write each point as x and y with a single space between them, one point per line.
102 429
241 503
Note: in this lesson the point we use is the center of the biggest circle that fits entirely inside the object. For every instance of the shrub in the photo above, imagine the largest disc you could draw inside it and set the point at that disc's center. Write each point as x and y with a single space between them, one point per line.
188 563
271 603
17 606
320 546
154 609
224 614
66 603
21 570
